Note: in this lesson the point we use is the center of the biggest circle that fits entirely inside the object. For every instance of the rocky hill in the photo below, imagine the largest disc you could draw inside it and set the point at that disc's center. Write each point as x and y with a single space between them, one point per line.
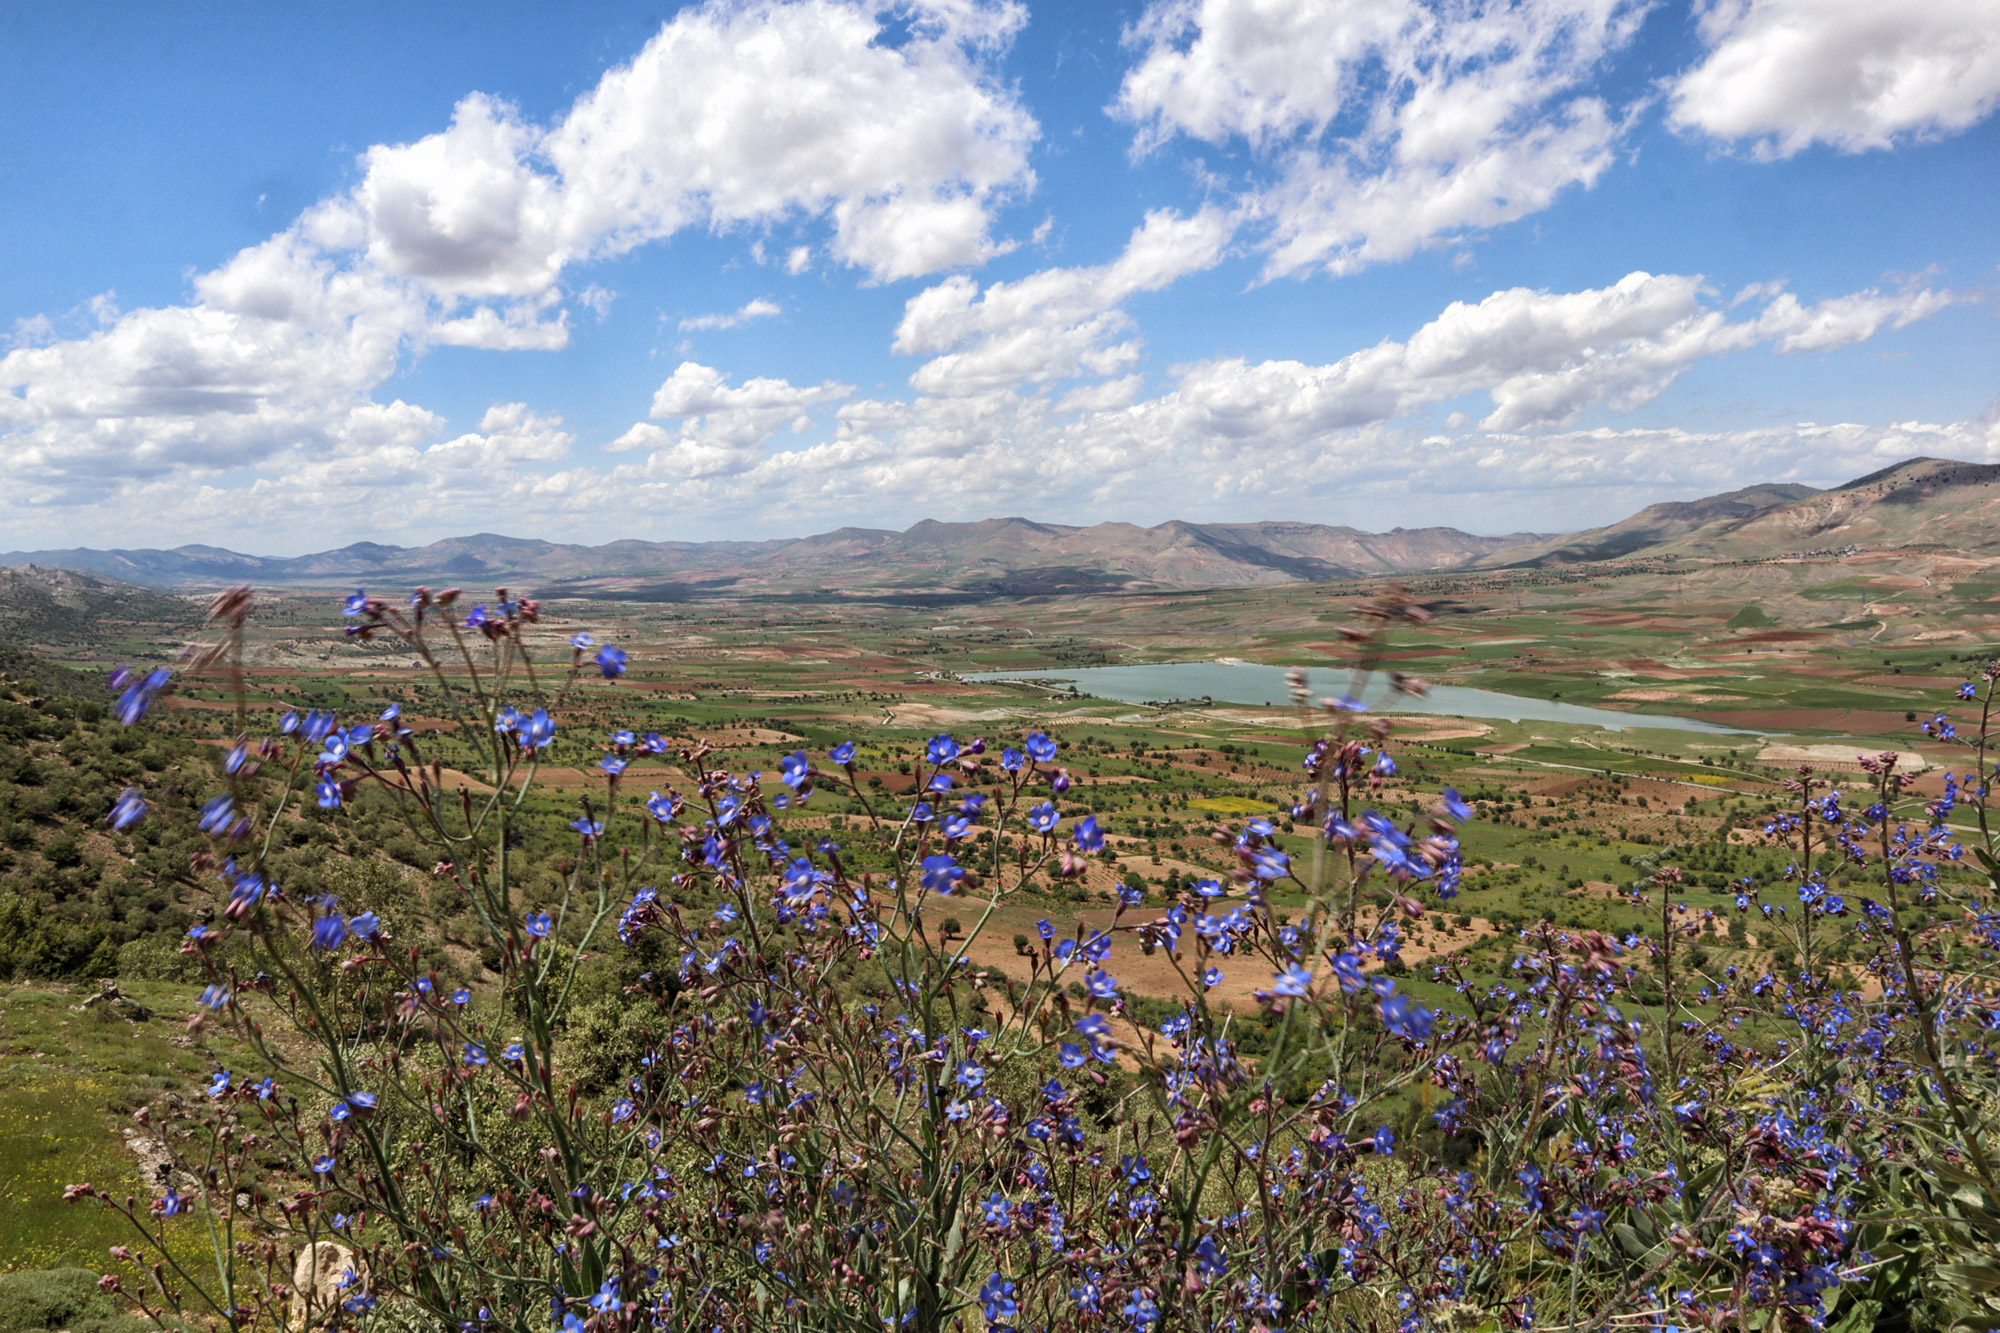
1921 503
999 555
1654 526
46 608
1918 505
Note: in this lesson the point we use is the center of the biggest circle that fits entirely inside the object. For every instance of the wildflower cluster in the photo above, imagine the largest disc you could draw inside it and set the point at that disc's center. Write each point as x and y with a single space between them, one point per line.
828 1108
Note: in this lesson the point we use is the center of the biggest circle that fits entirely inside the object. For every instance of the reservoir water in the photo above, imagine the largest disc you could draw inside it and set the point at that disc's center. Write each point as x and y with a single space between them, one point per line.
1249 683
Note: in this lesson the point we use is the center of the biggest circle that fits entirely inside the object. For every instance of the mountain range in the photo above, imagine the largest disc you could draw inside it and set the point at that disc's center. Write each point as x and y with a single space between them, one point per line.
1653 527
1919 505
1927 503
1003 555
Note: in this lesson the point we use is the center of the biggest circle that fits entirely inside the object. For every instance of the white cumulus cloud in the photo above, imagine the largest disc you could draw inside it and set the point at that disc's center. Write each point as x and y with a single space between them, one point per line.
1229 431
509 434
1055 323
737 113
1539 358
723 429
760 308
733 113
1390 126
1781 75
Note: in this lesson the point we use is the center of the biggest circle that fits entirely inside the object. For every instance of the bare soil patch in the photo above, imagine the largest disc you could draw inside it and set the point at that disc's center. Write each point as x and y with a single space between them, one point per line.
739 740
1771 636
1439 728
931 715
1675 697
1157 974
454 779
633 779
1840 758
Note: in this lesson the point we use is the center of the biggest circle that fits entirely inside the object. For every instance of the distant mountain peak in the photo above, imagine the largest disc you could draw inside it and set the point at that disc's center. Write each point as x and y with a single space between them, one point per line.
1918 502
1930 470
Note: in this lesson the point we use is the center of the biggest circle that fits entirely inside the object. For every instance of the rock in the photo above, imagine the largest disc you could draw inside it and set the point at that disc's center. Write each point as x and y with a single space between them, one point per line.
316 1282
110 997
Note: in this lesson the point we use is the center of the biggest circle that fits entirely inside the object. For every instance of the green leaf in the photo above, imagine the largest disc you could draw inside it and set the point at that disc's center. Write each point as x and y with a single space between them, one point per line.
1697 1188
1979 1323
1946 1171
1978 1278
1858 1318
955 1238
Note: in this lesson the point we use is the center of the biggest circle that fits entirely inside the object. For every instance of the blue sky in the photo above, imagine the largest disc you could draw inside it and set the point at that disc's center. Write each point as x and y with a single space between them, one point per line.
282 277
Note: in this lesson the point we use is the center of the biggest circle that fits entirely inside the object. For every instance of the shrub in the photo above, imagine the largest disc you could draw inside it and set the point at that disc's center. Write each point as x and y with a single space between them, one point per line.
730 1079
157 958
60 1298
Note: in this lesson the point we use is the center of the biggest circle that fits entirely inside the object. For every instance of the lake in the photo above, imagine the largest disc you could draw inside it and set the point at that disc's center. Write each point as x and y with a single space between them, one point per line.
1249 683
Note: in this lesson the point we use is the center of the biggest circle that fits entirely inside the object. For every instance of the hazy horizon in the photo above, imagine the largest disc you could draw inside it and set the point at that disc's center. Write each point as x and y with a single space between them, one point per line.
801 536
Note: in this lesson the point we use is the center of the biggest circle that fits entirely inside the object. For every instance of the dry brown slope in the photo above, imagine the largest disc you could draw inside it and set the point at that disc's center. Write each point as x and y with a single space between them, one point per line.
1922 502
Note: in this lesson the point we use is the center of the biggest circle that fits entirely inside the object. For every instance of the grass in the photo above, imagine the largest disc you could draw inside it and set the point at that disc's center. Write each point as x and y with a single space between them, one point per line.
1232 805
68 1084
57 1134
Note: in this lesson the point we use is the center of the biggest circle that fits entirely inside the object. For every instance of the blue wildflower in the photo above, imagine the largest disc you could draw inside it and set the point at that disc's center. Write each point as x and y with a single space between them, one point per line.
941 873
996 1299
328 931
536 730
216 814
129 809
1086 835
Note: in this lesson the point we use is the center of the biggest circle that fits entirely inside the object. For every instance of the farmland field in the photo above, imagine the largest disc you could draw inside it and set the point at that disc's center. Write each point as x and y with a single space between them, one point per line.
1567 817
